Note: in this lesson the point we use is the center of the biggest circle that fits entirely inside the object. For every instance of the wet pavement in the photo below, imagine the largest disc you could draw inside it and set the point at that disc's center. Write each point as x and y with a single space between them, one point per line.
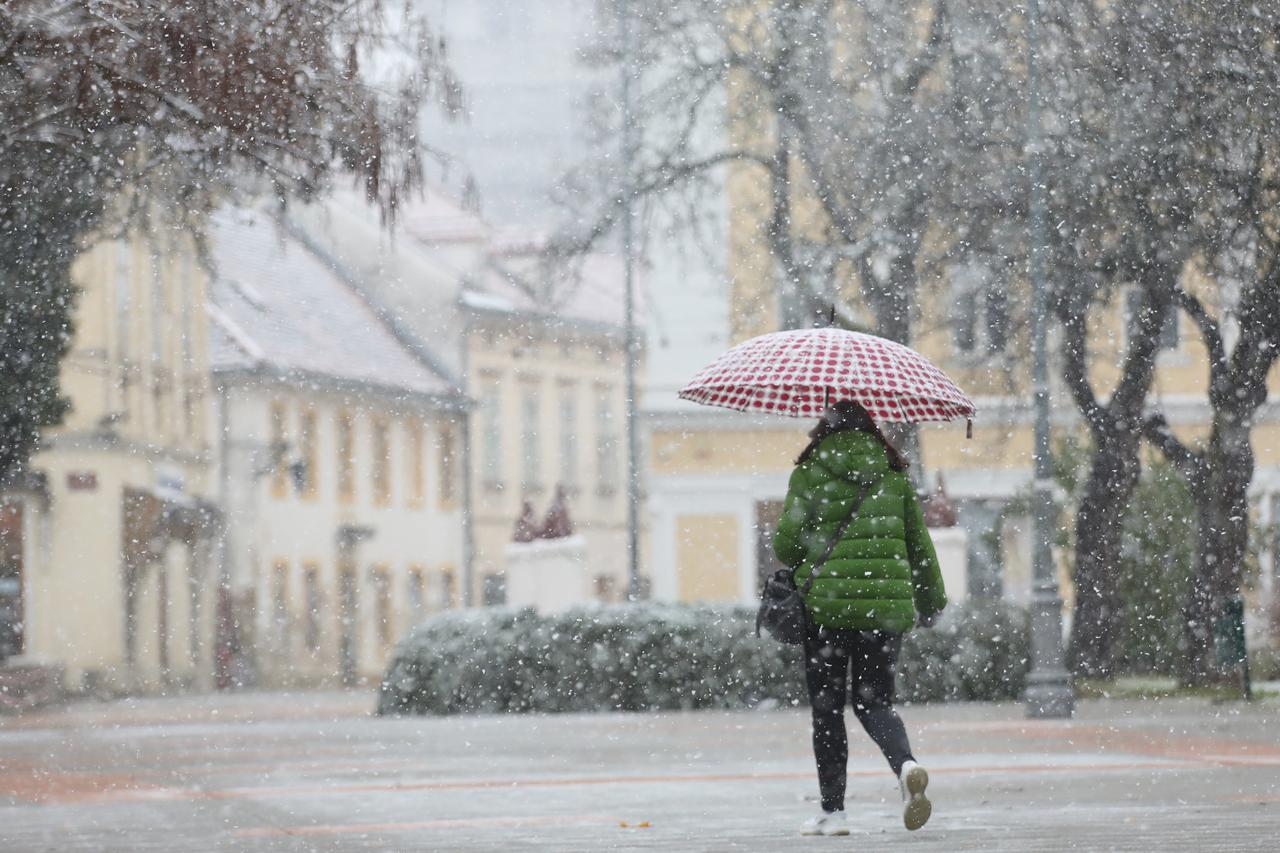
316 772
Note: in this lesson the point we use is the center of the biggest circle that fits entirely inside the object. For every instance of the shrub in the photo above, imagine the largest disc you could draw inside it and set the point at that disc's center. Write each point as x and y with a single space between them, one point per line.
977 652
668 657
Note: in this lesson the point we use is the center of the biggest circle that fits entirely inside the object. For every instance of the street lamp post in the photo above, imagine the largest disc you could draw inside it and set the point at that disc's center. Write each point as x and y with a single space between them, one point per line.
629 323
1049 692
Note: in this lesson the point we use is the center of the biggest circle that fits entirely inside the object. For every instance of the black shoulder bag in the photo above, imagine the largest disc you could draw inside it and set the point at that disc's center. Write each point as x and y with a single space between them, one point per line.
782 609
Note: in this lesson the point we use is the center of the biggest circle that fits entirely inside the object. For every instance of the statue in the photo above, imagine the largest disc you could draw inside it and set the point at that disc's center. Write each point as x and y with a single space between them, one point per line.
526 525
938 509
557 524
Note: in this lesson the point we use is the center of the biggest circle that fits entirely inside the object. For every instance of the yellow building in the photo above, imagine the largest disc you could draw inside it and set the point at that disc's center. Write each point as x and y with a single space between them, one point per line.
540 356
548 381
114 524
339 452
716 478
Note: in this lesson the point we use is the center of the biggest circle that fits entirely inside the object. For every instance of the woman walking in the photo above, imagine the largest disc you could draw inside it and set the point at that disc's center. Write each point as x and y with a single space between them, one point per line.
880 579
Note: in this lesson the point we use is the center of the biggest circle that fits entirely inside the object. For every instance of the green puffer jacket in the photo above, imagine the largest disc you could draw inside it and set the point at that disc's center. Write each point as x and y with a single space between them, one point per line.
884 568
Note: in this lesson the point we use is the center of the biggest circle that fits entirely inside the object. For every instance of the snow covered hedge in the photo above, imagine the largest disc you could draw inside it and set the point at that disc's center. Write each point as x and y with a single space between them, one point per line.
667 656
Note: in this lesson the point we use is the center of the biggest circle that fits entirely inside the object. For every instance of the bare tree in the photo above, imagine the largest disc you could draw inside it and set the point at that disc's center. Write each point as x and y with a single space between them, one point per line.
1157 174
836 106
1122 228
1232 161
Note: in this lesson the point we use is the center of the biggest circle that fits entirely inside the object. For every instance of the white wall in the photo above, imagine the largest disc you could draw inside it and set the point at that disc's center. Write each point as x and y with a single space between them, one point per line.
300 531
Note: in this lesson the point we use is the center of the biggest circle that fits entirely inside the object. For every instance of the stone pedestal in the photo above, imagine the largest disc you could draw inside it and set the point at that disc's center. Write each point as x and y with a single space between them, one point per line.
549 575
952 545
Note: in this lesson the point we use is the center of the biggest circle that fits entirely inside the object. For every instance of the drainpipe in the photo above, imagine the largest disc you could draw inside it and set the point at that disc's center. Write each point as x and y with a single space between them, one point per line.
224 618
468 531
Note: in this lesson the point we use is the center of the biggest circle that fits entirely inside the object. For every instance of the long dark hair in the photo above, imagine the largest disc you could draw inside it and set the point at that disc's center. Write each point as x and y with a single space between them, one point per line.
846 415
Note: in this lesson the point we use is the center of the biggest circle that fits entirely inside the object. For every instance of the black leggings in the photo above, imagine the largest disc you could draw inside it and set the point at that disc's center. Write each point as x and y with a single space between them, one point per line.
829 658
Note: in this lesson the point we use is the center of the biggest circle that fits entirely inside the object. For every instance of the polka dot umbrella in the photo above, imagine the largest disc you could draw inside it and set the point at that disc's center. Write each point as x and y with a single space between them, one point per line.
798 373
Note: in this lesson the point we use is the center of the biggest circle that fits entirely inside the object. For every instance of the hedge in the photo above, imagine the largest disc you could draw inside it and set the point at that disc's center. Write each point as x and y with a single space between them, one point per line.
651 656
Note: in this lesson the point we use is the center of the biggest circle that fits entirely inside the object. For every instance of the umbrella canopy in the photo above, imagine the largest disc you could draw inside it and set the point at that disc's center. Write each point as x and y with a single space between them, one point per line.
798 373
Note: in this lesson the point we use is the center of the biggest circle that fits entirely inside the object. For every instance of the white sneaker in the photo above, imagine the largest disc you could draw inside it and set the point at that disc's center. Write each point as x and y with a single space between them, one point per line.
827 823
916 806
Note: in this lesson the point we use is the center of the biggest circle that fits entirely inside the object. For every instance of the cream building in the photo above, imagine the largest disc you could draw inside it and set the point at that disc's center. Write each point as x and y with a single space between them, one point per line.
549 383
113 529
339 465
542 357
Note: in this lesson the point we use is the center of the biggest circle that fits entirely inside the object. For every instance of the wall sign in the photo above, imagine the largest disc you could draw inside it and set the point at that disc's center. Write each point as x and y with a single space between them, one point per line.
82 481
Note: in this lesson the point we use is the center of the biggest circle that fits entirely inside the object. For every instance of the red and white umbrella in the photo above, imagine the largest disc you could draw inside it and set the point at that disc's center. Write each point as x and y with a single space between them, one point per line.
798 373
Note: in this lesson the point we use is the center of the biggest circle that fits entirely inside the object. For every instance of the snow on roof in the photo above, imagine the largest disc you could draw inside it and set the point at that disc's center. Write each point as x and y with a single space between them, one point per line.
440 257
416 286
276 306
593 294
434 217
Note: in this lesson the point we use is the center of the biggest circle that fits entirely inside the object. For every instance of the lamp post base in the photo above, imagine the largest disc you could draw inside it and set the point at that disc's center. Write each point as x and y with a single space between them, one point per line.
1049 695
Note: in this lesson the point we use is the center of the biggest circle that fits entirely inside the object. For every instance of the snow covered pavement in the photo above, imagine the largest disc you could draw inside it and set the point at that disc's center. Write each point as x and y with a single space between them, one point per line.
314 772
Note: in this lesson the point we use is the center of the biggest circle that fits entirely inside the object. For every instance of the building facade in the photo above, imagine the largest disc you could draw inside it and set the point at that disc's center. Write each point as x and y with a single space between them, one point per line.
550 414
539 352
717 479
108 541
339 467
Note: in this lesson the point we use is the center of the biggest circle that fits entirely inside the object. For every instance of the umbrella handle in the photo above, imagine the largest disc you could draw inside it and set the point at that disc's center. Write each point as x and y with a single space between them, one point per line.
968 428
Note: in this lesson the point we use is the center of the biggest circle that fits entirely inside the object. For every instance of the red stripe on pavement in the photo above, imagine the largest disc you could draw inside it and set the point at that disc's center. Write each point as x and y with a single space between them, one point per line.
461 823
165 794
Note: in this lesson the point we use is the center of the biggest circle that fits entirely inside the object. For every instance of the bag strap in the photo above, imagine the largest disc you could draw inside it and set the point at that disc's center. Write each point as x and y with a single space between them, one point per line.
831 546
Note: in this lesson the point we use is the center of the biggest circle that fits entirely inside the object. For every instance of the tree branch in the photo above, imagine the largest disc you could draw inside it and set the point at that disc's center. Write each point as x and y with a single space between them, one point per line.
1209 330
1075 368
1188 463
656 181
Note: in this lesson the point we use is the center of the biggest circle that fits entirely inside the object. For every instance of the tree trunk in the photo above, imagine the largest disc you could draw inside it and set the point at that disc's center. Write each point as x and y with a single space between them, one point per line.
1222 503
1113 476
892 301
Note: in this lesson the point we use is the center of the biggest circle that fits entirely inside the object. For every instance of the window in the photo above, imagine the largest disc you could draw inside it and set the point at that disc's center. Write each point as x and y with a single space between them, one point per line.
495 590
346 458
606 588
417 462
448 467
306 470
530 450
964 323
124 301
279 452
997 320
606 444
1275 547
491 437
381 463
980 310
1169 332
311 619
568 438
417 591
444 589
382 604
280 603
186 341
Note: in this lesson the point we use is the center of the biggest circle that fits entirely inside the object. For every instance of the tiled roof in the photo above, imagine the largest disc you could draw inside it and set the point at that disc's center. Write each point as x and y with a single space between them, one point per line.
276 306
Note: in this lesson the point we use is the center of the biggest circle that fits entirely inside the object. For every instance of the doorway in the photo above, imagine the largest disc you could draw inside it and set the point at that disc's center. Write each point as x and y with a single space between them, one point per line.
347 624
767 515
12 606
